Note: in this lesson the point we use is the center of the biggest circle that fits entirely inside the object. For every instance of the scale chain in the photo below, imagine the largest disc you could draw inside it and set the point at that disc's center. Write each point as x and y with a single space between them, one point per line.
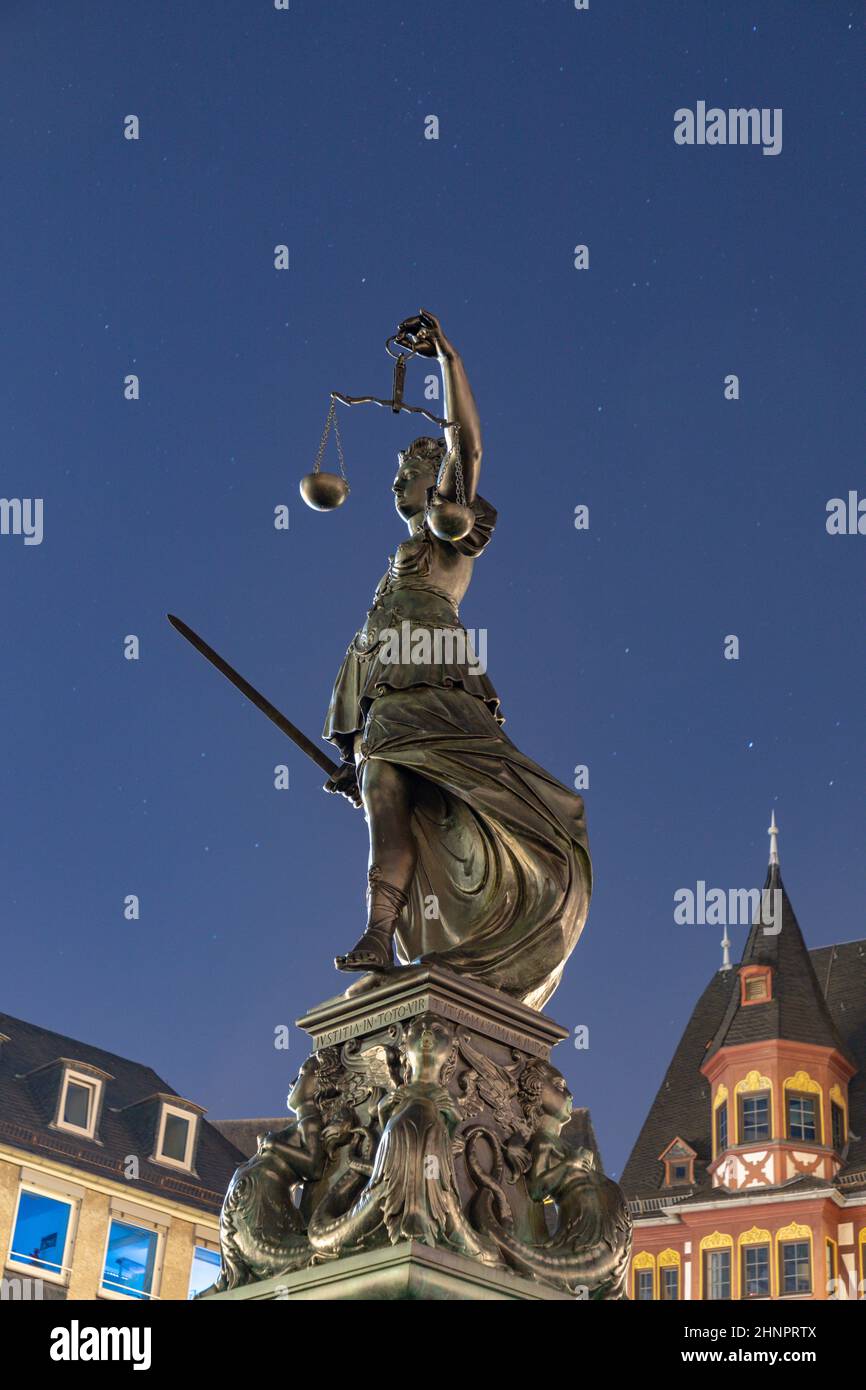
331 419
454 454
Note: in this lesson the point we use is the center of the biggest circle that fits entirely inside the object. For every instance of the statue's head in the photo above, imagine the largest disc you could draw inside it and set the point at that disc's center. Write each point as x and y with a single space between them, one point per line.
303 1090
544 1094
417 471
428 1042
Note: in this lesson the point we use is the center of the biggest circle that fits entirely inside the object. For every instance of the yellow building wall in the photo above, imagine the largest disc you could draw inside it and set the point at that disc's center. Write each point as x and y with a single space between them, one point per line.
91 1230
9 1179
179 1246
89 1249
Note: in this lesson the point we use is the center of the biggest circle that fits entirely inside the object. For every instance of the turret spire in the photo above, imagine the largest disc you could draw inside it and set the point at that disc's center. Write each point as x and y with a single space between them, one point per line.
726 951
773 833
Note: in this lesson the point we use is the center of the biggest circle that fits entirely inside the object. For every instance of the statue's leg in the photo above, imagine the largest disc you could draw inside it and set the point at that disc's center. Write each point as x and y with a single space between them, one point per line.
387 792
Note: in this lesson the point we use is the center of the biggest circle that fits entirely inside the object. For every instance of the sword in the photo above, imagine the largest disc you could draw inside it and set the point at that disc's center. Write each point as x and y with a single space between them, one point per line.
283 724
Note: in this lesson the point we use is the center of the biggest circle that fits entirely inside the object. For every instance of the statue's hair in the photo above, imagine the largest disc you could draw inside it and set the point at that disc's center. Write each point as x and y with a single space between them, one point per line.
530 1086
427 450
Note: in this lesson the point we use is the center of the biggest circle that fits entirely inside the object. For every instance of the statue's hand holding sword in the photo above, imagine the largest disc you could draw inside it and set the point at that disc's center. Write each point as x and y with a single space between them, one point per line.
345 783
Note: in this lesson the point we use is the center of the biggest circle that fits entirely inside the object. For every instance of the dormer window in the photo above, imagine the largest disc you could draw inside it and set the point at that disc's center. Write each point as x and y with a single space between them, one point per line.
79 1098
756 985
175 1139
69 1095
79 1102
679 1160
167 1128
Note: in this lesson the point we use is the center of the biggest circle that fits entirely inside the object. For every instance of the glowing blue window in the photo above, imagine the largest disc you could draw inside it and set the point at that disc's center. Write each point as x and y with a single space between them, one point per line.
205 1268
40 1231
130 1260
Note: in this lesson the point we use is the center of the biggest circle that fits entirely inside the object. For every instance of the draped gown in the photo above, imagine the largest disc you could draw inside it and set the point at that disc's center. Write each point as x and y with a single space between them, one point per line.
503 878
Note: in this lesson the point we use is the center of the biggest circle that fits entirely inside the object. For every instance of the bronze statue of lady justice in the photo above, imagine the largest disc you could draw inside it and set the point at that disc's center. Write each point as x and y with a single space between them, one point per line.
406 1119
478 857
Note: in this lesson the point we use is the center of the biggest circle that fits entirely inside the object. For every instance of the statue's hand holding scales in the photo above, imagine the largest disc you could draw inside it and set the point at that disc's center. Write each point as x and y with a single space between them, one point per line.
446 510
423 334
449 516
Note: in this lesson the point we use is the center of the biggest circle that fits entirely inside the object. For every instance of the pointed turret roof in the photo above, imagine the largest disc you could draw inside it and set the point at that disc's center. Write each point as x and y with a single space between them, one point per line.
797 1010
819 997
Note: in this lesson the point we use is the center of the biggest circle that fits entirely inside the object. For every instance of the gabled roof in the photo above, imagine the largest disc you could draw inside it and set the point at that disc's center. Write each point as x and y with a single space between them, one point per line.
797 1010
677 1148
26 1056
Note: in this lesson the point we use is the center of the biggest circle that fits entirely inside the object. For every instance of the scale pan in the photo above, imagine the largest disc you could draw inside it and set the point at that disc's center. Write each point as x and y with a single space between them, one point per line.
324 491
449 521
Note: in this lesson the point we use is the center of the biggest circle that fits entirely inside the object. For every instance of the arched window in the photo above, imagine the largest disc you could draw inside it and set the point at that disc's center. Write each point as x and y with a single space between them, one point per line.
804 1109
716 1254
643 1277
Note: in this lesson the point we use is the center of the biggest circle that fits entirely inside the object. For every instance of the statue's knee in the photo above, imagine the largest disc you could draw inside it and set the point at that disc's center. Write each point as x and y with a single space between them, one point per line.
383 783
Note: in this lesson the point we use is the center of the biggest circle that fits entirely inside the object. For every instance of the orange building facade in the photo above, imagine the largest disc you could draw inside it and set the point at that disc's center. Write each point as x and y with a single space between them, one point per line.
748 1179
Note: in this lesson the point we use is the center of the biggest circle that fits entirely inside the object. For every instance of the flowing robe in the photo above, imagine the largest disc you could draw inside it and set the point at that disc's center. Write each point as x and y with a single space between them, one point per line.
503 857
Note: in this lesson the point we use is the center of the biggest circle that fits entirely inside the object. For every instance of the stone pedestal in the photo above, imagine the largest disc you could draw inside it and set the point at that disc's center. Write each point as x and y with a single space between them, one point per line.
434 1156
406 1271
377 1004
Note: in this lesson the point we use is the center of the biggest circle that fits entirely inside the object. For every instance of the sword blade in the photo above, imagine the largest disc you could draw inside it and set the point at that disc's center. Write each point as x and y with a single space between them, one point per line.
255 697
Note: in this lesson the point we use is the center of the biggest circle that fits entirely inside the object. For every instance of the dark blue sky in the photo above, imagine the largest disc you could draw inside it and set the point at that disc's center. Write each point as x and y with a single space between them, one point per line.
604 387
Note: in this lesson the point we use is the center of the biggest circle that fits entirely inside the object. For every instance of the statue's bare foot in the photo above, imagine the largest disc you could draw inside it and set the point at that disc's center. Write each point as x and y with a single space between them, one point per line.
363 984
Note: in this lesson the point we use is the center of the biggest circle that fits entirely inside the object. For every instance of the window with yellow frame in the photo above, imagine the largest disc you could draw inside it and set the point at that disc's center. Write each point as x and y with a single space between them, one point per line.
643 1270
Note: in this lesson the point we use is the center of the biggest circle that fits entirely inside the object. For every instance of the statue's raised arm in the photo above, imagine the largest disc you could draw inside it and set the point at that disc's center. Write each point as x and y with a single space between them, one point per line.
424 333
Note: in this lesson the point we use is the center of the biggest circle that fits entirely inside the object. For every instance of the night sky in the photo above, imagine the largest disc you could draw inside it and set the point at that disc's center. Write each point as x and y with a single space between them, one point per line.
602 387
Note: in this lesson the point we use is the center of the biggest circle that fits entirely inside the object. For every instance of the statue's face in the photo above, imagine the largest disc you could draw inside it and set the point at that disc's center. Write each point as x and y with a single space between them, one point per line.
556 1098
410 486
426 1040
304 1087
